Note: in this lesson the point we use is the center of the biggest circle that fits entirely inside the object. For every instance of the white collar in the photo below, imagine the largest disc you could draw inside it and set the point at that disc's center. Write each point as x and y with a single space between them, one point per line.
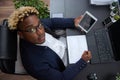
57 46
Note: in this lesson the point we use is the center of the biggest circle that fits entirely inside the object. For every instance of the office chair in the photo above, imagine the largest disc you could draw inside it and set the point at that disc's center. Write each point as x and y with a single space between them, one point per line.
9 51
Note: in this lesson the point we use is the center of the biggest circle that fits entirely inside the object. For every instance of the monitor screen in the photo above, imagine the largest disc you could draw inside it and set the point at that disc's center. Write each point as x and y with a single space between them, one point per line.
114 31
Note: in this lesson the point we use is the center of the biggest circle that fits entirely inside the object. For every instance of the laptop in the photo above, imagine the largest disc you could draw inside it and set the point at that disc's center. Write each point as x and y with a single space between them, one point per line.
103 43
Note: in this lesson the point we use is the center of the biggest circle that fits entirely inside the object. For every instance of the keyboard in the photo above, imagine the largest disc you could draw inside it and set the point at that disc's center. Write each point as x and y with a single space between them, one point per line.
104 51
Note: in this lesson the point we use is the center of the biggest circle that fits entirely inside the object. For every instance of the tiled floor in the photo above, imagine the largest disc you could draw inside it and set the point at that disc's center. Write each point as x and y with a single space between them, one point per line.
4 76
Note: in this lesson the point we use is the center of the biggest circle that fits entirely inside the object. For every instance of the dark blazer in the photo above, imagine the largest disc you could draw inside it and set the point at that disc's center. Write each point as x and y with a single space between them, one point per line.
44 64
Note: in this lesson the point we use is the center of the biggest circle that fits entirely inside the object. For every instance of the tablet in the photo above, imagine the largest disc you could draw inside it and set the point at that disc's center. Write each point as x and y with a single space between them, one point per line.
87 22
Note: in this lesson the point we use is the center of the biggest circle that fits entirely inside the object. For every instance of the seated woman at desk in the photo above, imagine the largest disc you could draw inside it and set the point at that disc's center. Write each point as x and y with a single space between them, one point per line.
41 53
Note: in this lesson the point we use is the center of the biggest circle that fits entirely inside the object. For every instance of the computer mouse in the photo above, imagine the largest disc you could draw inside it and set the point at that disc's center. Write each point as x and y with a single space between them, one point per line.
92 76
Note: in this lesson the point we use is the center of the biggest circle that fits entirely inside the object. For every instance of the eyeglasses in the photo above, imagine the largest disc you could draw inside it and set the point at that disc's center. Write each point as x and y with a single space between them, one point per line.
34 29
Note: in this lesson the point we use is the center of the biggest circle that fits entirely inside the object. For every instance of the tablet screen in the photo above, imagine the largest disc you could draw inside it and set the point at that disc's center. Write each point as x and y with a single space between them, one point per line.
87 22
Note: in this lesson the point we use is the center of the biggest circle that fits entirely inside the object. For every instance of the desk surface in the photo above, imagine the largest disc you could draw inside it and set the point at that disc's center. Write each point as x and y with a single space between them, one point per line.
71 8
74 8
105 71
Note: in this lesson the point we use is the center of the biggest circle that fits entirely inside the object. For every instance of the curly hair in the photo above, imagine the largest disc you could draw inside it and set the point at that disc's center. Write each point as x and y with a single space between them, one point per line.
19 14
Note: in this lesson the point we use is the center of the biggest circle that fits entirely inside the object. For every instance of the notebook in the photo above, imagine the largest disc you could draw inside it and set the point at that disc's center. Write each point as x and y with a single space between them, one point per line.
76 46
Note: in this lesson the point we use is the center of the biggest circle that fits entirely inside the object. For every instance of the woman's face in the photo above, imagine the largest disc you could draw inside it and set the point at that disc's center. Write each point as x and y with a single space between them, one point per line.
32 30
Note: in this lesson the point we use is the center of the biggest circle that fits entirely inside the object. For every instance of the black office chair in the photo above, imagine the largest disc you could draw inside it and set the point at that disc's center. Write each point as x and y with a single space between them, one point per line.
8 48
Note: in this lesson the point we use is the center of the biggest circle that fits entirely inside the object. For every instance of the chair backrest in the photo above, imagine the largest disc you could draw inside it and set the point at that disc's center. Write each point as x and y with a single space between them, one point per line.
8 48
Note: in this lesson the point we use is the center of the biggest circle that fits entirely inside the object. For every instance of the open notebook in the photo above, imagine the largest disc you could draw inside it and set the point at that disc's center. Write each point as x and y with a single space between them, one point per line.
77 44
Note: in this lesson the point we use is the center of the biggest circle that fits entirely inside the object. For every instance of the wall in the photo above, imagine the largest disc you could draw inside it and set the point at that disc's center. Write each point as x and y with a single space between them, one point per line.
7 7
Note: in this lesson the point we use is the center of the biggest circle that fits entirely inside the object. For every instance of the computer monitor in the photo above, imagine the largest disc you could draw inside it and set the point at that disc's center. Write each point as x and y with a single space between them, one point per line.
114 31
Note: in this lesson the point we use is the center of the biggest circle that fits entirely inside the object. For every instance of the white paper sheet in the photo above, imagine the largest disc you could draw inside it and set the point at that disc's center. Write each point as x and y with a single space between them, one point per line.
101 2
76 46
58 15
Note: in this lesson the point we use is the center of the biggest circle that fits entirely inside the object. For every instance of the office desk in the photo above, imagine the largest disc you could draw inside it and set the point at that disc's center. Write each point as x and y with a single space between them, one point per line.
74 8
71 8
105 71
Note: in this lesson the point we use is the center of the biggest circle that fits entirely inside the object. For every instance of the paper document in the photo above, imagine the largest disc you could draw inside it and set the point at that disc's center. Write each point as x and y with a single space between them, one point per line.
58 15
101 2
76 46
